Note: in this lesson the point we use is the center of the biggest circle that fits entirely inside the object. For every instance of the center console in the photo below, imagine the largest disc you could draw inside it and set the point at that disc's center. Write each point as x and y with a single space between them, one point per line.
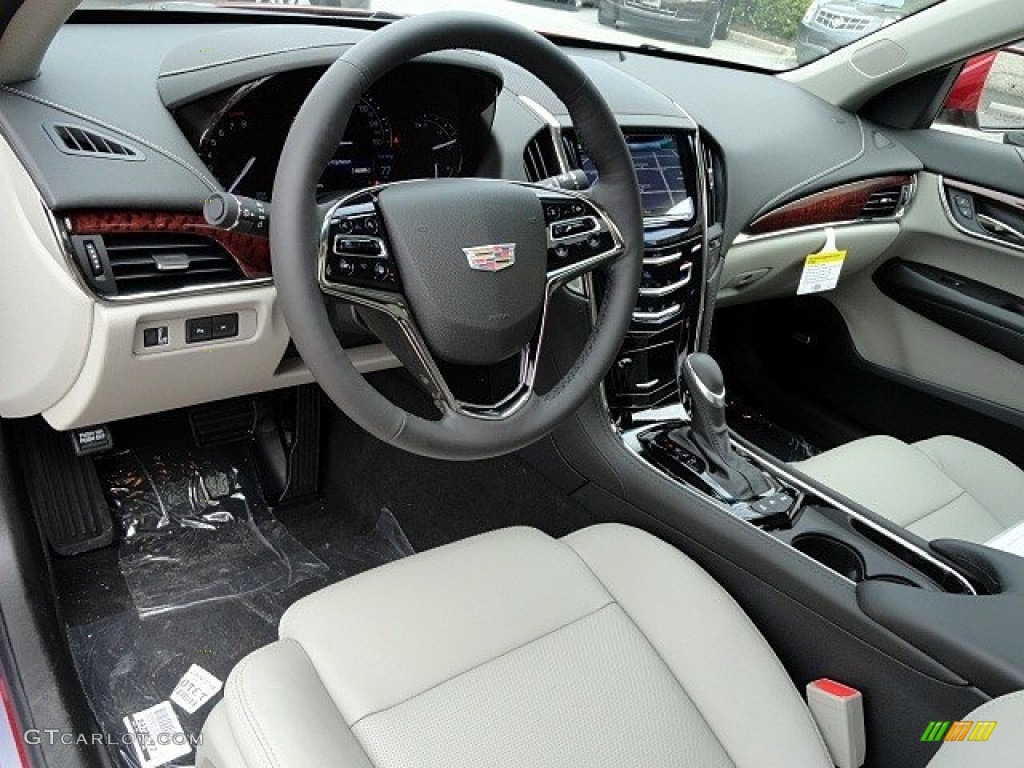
812 523
666 400
874 606
668 308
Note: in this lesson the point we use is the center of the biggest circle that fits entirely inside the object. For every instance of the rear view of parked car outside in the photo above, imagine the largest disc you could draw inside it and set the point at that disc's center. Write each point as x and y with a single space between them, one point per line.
831 24
701 21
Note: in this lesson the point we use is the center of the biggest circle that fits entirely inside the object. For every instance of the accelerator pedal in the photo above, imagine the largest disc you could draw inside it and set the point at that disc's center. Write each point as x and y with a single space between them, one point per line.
303 478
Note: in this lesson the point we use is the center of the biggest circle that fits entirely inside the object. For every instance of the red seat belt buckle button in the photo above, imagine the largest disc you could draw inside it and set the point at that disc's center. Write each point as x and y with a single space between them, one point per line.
838 711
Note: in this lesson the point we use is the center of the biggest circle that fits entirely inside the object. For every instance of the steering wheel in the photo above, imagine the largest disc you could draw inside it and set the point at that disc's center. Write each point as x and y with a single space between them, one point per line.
454 274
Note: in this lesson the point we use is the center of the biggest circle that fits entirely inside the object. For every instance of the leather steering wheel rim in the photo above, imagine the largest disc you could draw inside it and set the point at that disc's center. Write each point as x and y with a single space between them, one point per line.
295 232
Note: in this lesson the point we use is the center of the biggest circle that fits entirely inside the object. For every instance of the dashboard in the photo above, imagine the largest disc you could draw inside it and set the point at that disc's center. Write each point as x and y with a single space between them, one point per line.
422 120
191 109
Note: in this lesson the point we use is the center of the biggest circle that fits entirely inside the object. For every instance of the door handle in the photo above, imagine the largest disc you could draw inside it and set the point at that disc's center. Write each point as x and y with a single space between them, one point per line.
999 228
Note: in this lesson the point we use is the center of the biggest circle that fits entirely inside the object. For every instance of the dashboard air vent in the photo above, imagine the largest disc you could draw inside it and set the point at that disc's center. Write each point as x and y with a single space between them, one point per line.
539 157
713 186
157 261
884 204
76 140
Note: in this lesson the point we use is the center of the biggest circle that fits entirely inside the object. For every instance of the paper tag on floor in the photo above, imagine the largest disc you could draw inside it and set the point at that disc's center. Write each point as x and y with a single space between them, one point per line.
157 735
821 270
196 687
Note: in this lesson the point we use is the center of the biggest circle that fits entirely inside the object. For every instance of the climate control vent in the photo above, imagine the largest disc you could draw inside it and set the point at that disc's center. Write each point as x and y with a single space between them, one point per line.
126 264
712 186
76 140
884 204
539 158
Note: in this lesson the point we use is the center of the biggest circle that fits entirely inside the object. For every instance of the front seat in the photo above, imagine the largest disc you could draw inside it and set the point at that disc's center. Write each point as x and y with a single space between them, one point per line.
514 650
944 487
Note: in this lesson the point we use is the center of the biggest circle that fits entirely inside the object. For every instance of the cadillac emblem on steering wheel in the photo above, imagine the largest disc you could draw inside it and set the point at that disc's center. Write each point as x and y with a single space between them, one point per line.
491 258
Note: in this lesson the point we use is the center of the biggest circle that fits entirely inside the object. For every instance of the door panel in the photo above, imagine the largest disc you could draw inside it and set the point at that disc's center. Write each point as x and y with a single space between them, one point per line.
977 311
905 340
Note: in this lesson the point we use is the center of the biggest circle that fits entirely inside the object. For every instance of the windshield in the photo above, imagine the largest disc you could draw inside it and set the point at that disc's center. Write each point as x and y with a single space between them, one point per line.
770 34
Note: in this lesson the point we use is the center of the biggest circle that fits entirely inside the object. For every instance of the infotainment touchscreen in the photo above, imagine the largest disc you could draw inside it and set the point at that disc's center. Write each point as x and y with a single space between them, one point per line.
659 173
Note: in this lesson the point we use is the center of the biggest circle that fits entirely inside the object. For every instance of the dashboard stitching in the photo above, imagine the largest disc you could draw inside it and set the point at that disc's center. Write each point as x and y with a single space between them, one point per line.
212 186
796 187
249 56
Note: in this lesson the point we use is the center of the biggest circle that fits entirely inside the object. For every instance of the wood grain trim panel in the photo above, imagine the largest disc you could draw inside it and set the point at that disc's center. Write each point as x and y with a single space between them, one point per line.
251 253
830 206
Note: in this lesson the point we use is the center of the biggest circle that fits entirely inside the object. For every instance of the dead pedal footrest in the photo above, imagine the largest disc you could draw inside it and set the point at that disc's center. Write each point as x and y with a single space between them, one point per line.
66 493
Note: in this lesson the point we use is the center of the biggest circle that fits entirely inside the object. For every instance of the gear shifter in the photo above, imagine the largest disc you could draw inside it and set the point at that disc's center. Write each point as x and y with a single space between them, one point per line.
707 434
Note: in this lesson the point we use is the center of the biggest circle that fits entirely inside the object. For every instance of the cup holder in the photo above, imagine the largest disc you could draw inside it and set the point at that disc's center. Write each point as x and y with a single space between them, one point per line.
832 553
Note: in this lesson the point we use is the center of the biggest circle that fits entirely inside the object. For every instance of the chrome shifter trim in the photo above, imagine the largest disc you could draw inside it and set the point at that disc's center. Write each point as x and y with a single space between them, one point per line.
715 398
666 414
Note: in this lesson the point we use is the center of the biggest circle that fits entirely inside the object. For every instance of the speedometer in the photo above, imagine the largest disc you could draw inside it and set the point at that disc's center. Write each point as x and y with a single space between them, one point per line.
366 155
223 149
241 148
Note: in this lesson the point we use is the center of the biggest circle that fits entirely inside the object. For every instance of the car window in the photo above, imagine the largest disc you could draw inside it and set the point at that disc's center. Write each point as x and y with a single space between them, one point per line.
770 34
987 100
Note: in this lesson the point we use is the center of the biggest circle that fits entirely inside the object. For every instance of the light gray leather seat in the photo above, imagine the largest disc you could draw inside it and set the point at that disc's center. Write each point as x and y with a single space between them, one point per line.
945 487
513 650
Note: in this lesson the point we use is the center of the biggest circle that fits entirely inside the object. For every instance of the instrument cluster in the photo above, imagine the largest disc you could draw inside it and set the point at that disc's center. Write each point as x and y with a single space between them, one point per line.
423 120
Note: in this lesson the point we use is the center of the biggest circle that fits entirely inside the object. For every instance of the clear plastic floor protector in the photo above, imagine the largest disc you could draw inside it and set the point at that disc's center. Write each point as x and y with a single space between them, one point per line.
129 663
194 529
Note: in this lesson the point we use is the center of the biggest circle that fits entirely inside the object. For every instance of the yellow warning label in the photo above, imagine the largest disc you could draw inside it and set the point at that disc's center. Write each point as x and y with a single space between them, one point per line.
821 272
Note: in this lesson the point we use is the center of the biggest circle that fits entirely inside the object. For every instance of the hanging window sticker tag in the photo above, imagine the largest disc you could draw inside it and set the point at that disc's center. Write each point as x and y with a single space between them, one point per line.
196 687
822 269
157 736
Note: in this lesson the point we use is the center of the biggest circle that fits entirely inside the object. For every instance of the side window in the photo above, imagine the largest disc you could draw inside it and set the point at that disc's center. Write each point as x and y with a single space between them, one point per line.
988 98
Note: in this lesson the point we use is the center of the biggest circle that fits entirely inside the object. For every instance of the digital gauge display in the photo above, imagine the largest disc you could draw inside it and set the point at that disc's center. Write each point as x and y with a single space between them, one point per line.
420 121
366 156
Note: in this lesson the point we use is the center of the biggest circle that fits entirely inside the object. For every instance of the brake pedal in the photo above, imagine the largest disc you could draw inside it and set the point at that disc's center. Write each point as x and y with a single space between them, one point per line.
227 421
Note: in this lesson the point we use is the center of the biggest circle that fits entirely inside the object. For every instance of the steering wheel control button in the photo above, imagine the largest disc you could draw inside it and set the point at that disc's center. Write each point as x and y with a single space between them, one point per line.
358 254
225 326
560 210
198 329
564 230
358 246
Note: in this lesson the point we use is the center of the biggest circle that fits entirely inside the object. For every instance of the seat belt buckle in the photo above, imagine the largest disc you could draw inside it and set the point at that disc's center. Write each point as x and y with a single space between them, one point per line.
838 711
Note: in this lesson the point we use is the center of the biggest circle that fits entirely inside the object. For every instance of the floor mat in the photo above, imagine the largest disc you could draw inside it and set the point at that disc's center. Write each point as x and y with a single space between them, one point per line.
195 529
209 572
780 442
436 501
129 664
